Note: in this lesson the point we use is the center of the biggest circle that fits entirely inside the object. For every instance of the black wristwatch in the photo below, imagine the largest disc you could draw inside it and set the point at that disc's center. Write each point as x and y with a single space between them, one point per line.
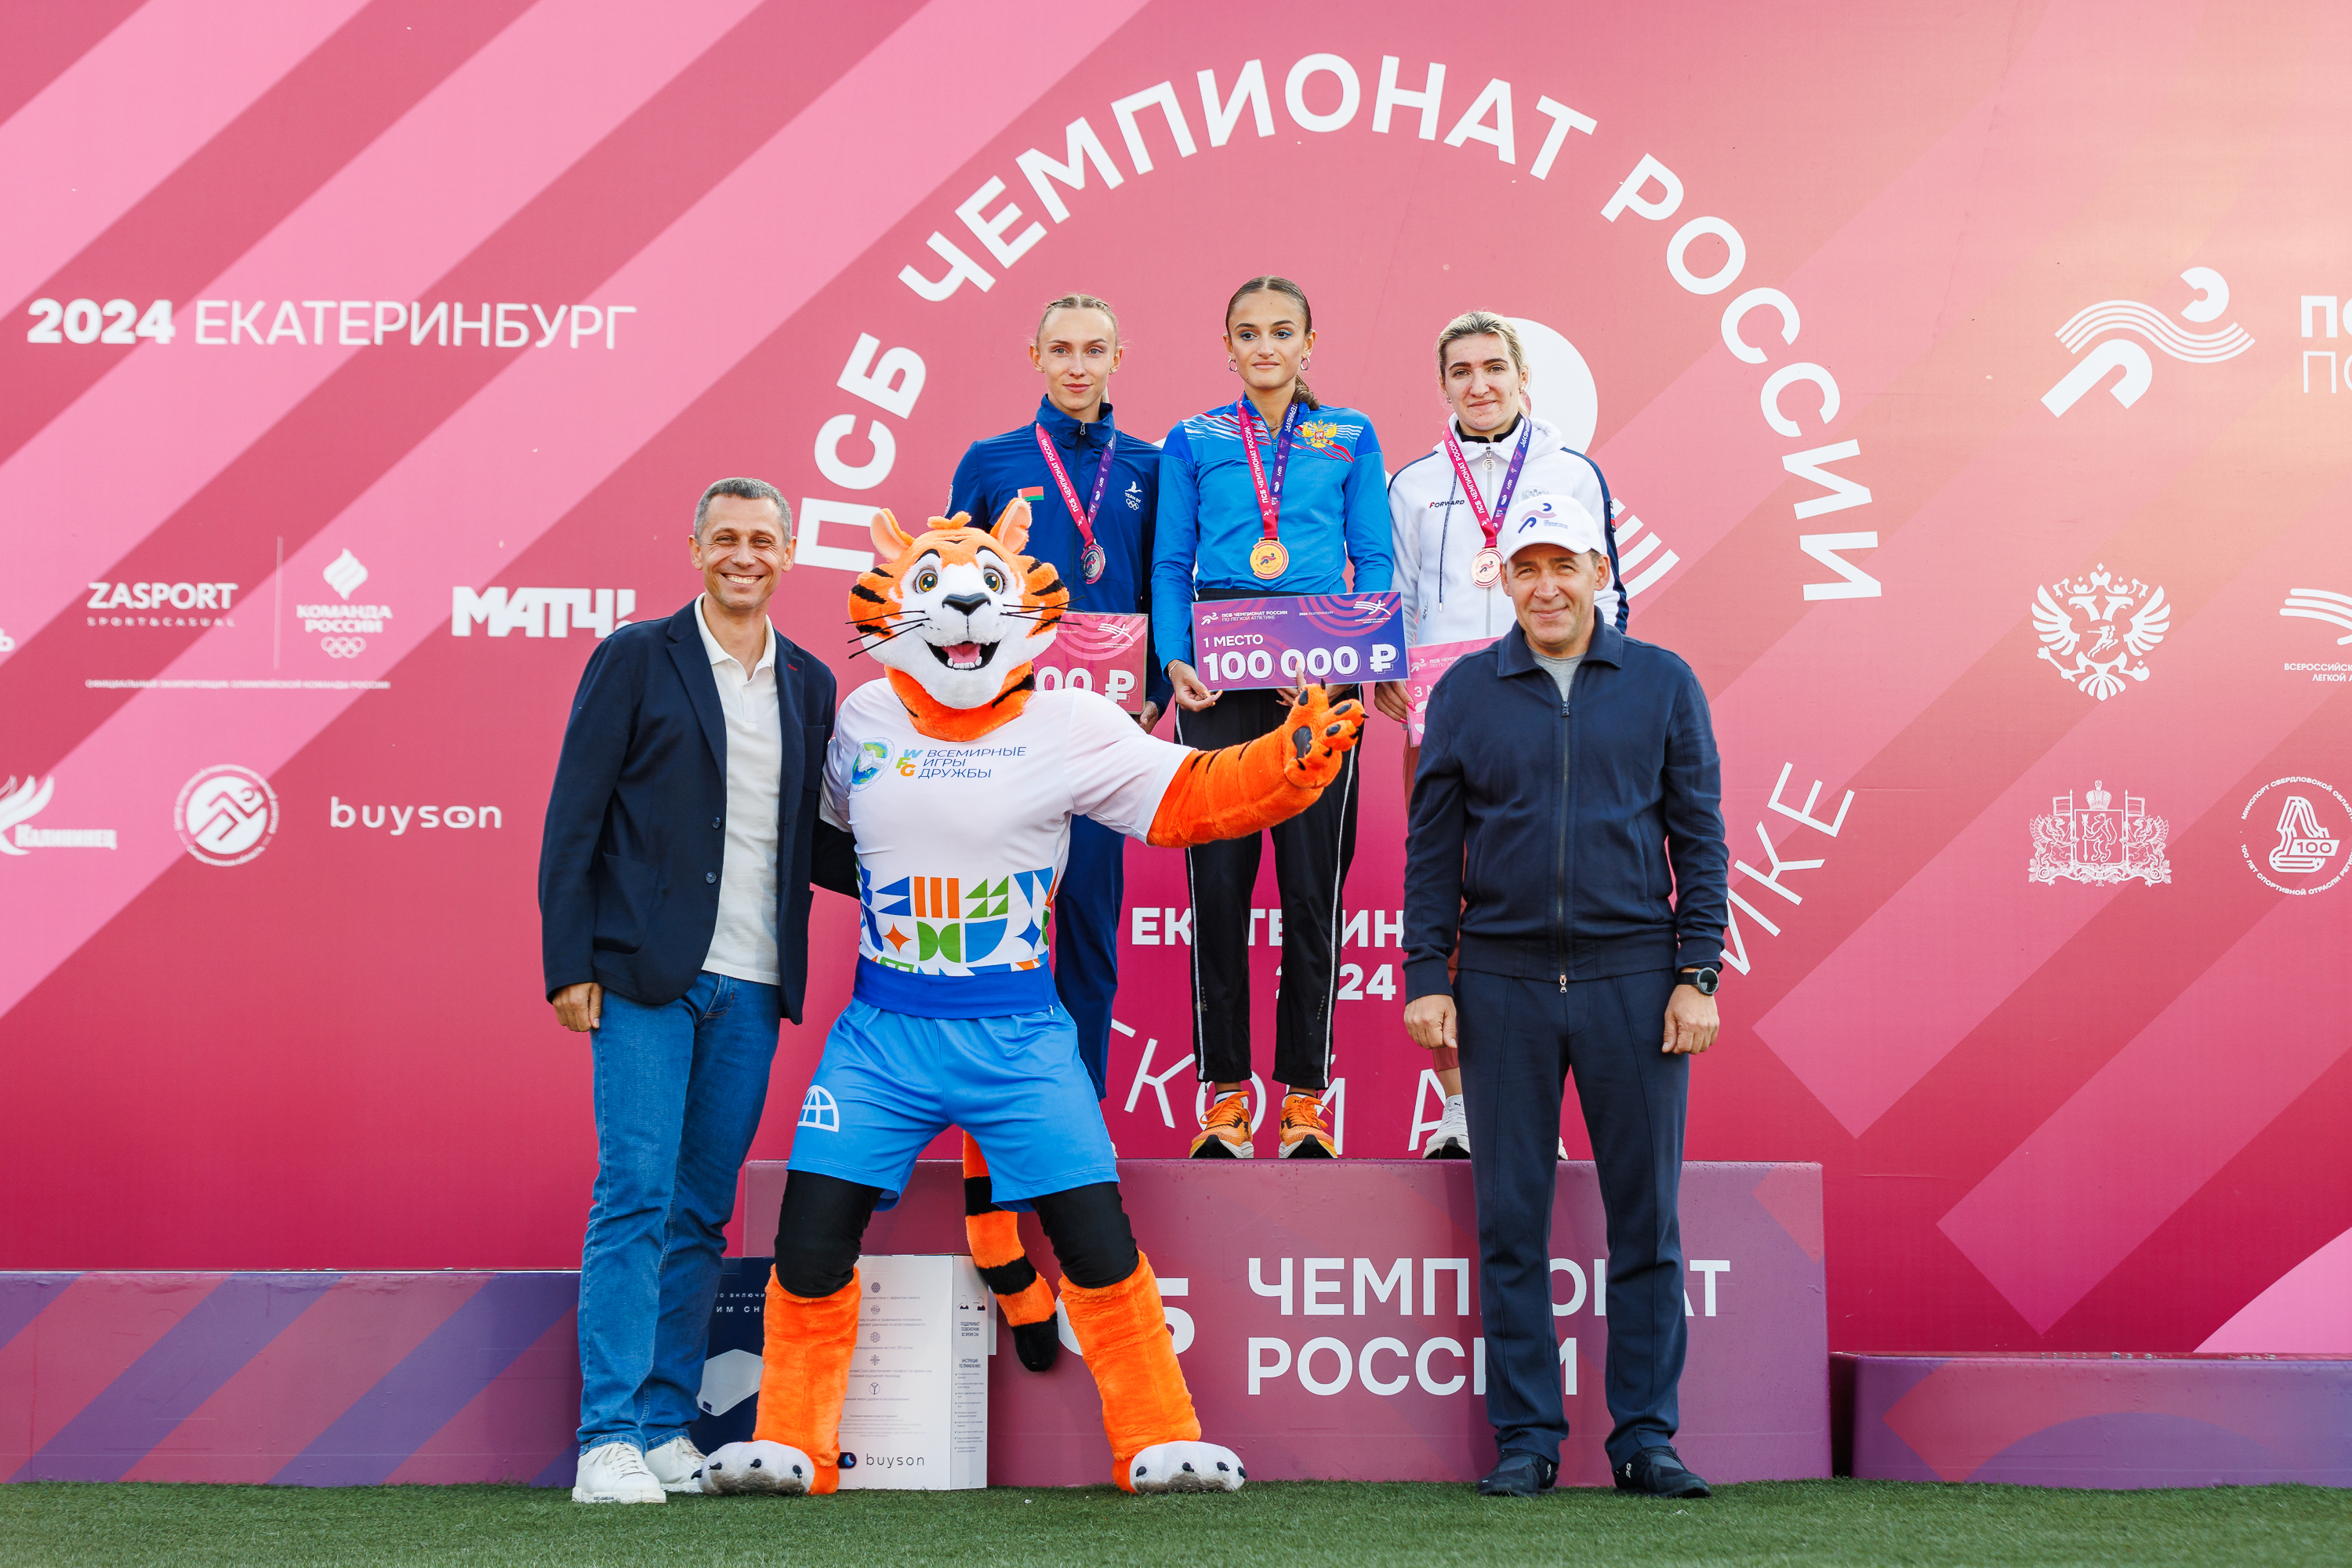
1703 981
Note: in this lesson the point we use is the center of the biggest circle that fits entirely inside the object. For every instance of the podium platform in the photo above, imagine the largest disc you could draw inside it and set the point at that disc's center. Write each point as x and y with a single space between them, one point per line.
1326 1323
2107 1421
1368 1365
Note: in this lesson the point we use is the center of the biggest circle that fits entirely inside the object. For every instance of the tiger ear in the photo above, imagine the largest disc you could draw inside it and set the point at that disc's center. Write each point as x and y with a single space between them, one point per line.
890 540
1011 526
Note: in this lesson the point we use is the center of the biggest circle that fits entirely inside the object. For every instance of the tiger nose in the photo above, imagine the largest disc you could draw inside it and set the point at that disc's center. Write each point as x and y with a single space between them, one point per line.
967 604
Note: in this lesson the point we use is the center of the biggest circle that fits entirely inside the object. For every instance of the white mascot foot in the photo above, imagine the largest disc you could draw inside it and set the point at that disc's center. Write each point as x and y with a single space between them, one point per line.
757 1466
1187 1467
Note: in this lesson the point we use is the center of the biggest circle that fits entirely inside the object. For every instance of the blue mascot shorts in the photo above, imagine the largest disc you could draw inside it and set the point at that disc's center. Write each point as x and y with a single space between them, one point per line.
890 1083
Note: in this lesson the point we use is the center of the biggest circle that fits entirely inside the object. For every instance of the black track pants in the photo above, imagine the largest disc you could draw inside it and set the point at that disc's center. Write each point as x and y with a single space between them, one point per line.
1311 854
1520 1038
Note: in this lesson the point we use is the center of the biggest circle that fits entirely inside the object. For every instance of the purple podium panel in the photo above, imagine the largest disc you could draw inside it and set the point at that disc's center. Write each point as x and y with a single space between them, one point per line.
2116 1422
316 1379
1326 1318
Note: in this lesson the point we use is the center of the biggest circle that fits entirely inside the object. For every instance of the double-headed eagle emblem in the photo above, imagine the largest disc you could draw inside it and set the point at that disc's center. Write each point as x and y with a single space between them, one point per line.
2083 621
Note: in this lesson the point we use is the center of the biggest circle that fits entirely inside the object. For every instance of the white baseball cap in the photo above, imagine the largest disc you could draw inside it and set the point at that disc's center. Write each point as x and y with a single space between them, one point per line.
1550 519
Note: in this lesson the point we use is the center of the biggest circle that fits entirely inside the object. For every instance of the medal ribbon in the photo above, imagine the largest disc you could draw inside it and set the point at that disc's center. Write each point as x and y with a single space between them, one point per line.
1084 519
1490 521
1269 498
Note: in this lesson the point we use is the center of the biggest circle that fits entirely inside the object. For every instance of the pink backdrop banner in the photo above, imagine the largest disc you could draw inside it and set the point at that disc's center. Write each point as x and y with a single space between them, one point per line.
1978 389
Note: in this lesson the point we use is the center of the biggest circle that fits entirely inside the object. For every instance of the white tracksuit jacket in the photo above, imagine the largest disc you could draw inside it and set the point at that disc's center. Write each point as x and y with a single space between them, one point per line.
1437 534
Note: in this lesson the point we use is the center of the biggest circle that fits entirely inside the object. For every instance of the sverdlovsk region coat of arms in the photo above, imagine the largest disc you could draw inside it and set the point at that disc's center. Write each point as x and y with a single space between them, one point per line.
2098 841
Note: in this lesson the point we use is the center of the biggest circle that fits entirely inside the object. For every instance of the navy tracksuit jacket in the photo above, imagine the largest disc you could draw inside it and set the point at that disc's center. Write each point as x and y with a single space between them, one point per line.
994 472
1570 858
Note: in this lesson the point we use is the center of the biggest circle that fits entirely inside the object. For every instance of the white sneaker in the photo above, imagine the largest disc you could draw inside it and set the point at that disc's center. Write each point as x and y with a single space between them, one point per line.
1452 1139
677 1465
1563 1148
615 1472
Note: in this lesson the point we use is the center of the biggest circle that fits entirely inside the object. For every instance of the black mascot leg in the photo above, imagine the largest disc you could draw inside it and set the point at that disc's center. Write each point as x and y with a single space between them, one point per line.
818 1232
1022 1300
1090 1234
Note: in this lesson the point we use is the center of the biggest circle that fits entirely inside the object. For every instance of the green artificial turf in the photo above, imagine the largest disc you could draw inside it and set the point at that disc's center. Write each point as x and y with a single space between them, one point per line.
57 1525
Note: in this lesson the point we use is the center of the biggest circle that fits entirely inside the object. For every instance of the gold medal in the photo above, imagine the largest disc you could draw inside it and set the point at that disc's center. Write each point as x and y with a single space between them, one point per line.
1269 559
1487 567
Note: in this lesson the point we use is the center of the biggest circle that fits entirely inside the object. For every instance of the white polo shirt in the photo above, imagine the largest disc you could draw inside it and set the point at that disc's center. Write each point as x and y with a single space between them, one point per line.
743 944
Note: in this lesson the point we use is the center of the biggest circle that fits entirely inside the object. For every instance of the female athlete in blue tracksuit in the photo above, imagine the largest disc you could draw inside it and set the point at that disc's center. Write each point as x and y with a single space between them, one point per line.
1315 503
1076 350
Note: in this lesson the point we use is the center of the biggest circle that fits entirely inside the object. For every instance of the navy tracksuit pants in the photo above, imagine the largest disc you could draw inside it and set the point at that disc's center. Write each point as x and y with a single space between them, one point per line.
1520 1038
1086 939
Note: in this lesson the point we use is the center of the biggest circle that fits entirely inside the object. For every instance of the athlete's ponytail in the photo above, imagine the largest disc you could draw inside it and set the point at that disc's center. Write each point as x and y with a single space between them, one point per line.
1271 284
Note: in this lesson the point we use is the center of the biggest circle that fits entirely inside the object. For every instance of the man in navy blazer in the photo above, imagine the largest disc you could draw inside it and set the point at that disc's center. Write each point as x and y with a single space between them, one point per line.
674 887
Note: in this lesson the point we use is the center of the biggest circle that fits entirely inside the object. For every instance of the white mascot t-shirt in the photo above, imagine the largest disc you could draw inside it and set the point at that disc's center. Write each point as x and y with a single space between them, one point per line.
961 845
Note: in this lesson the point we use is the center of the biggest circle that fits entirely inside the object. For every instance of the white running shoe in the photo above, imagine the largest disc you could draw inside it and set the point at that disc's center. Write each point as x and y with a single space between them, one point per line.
758 1466
615 1472
1187 1467
1452 1139
677 1465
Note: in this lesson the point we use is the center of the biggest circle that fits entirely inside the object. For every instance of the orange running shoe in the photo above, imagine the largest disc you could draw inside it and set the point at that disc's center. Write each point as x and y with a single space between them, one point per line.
1303 1136
1225 1135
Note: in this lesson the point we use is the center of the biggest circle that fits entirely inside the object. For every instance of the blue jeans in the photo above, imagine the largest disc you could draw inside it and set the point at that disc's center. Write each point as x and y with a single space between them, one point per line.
678 1093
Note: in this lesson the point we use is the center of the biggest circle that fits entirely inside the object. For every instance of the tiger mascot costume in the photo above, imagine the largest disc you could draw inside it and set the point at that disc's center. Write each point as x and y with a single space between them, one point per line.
958 778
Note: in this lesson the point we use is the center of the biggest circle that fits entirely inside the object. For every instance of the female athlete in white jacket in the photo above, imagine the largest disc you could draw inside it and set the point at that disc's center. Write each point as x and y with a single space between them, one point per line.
1439 531
1446 507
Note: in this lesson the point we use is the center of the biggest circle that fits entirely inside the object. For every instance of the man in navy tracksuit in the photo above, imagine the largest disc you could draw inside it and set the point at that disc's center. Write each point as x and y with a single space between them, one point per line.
1567 860
1076 350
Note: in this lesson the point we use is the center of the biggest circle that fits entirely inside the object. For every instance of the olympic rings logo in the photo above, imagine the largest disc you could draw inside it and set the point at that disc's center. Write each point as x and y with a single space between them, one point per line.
342 647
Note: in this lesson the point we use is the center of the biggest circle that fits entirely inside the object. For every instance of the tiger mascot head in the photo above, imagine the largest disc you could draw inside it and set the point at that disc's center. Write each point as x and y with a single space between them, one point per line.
958 614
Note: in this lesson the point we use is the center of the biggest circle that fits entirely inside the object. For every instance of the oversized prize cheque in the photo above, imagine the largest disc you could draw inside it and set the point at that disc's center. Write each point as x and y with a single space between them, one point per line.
1097 650
1429 663
1331 639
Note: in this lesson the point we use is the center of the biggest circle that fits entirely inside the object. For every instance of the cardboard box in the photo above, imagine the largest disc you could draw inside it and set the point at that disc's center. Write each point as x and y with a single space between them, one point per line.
917 1415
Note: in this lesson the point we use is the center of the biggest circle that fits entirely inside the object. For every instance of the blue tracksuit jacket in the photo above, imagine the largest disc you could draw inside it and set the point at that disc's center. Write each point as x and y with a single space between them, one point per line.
995 470
1335 511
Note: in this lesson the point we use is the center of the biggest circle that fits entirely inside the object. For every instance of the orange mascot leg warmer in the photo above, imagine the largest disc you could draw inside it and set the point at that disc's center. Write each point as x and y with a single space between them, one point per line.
1124 1334
805 1374
994 1235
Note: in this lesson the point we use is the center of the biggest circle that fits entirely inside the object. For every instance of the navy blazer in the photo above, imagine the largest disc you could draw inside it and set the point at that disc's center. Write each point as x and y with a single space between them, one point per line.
636 825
